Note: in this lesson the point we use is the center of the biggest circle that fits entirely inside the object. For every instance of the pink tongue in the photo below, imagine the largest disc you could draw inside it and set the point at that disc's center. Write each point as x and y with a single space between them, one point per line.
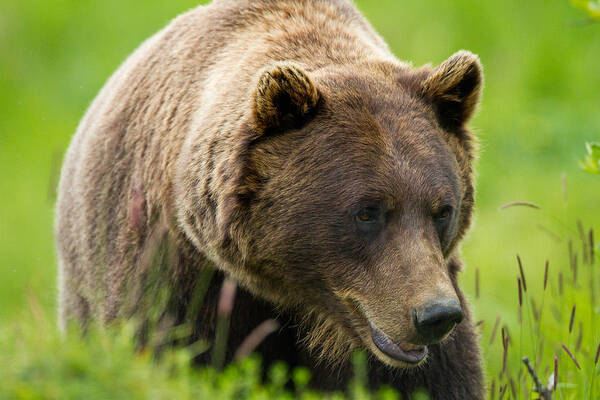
393 350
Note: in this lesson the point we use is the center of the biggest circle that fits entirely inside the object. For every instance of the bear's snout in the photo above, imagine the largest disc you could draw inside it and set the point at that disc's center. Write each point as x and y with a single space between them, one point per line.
436 319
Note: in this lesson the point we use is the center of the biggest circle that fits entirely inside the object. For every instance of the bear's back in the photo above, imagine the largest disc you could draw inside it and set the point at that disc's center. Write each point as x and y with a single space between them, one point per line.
189 82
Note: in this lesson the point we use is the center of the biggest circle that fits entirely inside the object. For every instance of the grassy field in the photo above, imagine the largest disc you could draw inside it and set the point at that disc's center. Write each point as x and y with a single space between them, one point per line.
540 105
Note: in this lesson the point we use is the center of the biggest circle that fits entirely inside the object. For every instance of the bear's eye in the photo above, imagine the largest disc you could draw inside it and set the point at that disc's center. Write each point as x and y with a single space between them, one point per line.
369 219
443 215
365 217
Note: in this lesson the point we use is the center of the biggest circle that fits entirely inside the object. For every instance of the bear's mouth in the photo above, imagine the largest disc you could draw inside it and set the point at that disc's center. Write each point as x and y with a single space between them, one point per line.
388 351
405 352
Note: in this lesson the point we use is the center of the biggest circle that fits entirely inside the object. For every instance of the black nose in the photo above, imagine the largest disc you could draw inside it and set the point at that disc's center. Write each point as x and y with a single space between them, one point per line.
437 318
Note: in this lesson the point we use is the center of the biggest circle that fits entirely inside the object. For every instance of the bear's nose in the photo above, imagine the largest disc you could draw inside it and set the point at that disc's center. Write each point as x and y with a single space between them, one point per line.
437 318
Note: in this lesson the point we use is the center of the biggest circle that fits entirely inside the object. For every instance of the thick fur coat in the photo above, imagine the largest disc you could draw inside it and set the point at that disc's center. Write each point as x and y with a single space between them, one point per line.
281 144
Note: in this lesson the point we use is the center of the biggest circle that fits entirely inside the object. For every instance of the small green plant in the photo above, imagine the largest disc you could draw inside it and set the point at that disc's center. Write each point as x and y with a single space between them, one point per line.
40 362
591 163
591 7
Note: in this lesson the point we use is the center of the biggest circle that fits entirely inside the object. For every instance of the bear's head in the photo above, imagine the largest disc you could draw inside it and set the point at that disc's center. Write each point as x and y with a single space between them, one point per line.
354 188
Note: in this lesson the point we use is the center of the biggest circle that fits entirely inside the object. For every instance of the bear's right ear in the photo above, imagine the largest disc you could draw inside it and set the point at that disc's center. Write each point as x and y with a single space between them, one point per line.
285 98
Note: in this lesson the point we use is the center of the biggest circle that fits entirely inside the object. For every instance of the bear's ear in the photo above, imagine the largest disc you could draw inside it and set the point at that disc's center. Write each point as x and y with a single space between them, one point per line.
454 88
285 98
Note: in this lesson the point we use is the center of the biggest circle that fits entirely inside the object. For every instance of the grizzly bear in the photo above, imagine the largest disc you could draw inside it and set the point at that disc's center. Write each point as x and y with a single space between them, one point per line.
280 144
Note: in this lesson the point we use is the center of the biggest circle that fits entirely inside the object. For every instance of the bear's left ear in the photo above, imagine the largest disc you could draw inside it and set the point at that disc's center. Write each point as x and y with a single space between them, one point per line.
285 98
454 88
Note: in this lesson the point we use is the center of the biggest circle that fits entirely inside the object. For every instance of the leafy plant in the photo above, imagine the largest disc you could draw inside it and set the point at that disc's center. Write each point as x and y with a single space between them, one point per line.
591 162
591 7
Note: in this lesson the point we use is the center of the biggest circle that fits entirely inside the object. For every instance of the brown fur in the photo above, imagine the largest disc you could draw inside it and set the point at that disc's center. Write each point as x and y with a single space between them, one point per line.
241 139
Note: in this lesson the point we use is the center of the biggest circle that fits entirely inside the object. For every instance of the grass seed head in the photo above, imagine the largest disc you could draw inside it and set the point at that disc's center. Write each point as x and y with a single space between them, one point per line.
566 349
495 329
560 283
591 244
520 292
522 273
546 274
572 319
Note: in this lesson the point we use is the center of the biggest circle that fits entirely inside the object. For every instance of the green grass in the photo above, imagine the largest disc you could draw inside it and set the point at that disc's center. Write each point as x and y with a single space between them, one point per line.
41 363
540 106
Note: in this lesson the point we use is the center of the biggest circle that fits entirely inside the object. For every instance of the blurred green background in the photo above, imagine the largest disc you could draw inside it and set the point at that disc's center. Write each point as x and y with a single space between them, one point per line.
541 103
